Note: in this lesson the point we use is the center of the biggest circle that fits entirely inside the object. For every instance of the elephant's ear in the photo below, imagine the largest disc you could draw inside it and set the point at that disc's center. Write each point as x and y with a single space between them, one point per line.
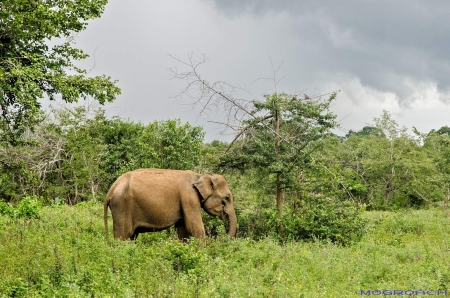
205 186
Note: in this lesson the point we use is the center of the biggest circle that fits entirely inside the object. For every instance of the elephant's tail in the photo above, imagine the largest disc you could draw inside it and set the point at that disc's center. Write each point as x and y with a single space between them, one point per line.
105 215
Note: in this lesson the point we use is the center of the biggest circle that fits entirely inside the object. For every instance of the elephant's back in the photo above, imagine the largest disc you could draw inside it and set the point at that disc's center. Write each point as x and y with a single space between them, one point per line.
161 181
154 174
158 171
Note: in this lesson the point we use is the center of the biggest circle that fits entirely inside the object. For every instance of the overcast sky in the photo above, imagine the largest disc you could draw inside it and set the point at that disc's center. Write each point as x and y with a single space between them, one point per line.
392 55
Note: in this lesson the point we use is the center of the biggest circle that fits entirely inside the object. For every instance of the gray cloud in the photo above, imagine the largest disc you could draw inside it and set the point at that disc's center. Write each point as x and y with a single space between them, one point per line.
374 40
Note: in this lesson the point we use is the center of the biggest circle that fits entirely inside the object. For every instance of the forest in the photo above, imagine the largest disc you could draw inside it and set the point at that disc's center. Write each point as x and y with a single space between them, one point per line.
320 212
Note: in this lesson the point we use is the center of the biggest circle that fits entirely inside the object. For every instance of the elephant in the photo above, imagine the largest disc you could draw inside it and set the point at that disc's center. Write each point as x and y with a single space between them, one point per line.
148 200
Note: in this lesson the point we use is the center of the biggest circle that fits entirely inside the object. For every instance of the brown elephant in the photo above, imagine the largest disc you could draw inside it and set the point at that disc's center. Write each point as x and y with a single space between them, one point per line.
148 200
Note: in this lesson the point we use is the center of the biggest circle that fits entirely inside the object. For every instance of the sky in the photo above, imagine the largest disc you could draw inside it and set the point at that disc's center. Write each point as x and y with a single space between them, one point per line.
381 55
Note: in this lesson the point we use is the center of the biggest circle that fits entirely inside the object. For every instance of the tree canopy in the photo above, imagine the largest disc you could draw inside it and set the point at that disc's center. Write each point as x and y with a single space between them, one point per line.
76 153
281 141
31 69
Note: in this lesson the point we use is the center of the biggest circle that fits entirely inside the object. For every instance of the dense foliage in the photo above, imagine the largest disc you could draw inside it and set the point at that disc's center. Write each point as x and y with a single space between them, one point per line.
316 218
385 168
30 69
279 139
28 208
76 153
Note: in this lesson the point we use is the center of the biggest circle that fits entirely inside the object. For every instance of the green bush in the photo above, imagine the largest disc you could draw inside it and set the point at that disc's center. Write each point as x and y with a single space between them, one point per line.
315 218
326 219
6 209
184 258
28 208
214 226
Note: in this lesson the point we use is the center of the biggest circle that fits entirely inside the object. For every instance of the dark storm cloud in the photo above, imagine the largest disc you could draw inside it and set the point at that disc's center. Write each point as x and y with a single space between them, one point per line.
383 43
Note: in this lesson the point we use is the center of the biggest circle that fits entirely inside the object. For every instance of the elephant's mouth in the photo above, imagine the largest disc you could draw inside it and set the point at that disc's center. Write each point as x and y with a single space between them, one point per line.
222 213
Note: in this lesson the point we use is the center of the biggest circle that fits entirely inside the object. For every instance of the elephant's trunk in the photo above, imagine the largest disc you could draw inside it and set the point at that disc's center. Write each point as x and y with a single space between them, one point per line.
232 222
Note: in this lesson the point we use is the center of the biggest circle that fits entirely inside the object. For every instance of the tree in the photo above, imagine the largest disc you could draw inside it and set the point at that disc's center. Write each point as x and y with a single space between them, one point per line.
76 152
280 143
122 147
387 169
30 69
444 130
366 131
437 144
160 144
79 174
27 169
276 135
170 144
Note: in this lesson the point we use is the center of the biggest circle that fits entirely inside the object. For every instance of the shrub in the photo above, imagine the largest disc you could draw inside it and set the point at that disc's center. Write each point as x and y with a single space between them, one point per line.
315 218
184 258
28 208
324 218
214 226
6 209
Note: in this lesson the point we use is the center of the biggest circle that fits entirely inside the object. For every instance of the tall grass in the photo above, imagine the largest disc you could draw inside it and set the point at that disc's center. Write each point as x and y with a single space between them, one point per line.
64 254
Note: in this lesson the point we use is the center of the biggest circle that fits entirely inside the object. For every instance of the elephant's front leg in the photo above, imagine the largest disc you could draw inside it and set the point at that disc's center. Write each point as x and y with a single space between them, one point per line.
192 216
190 227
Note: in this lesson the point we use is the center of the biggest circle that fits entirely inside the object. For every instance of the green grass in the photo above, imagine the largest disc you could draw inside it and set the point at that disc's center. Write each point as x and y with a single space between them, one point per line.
64 254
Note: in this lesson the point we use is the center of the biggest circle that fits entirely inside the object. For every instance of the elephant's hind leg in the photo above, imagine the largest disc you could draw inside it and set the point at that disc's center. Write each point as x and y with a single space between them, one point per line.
122 230
182 232
134 236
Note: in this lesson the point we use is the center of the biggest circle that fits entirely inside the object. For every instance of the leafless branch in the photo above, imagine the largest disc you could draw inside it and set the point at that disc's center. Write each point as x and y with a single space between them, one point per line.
219 96
226 124
243 130
93 54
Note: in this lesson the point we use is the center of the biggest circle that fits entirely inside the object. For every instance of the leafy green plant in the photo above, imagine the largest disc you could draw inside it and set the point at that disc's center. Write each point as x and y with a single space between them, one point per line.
326 219
6 209
28 208
214 226
315 218
183 257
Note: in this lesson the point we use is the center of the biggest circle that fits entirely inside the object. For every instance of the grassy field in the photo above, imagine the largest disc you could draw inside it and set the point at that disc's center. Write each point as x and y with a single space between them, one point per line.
64 254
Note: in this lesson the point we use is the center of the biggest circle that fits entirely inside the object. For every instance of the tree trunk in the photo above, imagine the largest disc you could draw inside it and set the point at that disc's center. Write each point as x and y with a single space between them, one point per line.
296 203
279 196
277 151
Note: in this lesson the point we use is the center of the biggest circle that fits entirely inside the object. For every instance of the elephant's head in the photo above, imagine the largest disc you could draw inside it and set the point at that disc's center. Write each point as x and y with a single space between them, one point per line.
217 199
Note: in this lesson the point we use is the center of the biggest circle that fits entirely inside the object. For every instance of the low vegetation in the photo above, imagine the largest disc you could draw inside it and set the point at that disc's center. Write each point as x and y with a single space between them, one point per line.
63 253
